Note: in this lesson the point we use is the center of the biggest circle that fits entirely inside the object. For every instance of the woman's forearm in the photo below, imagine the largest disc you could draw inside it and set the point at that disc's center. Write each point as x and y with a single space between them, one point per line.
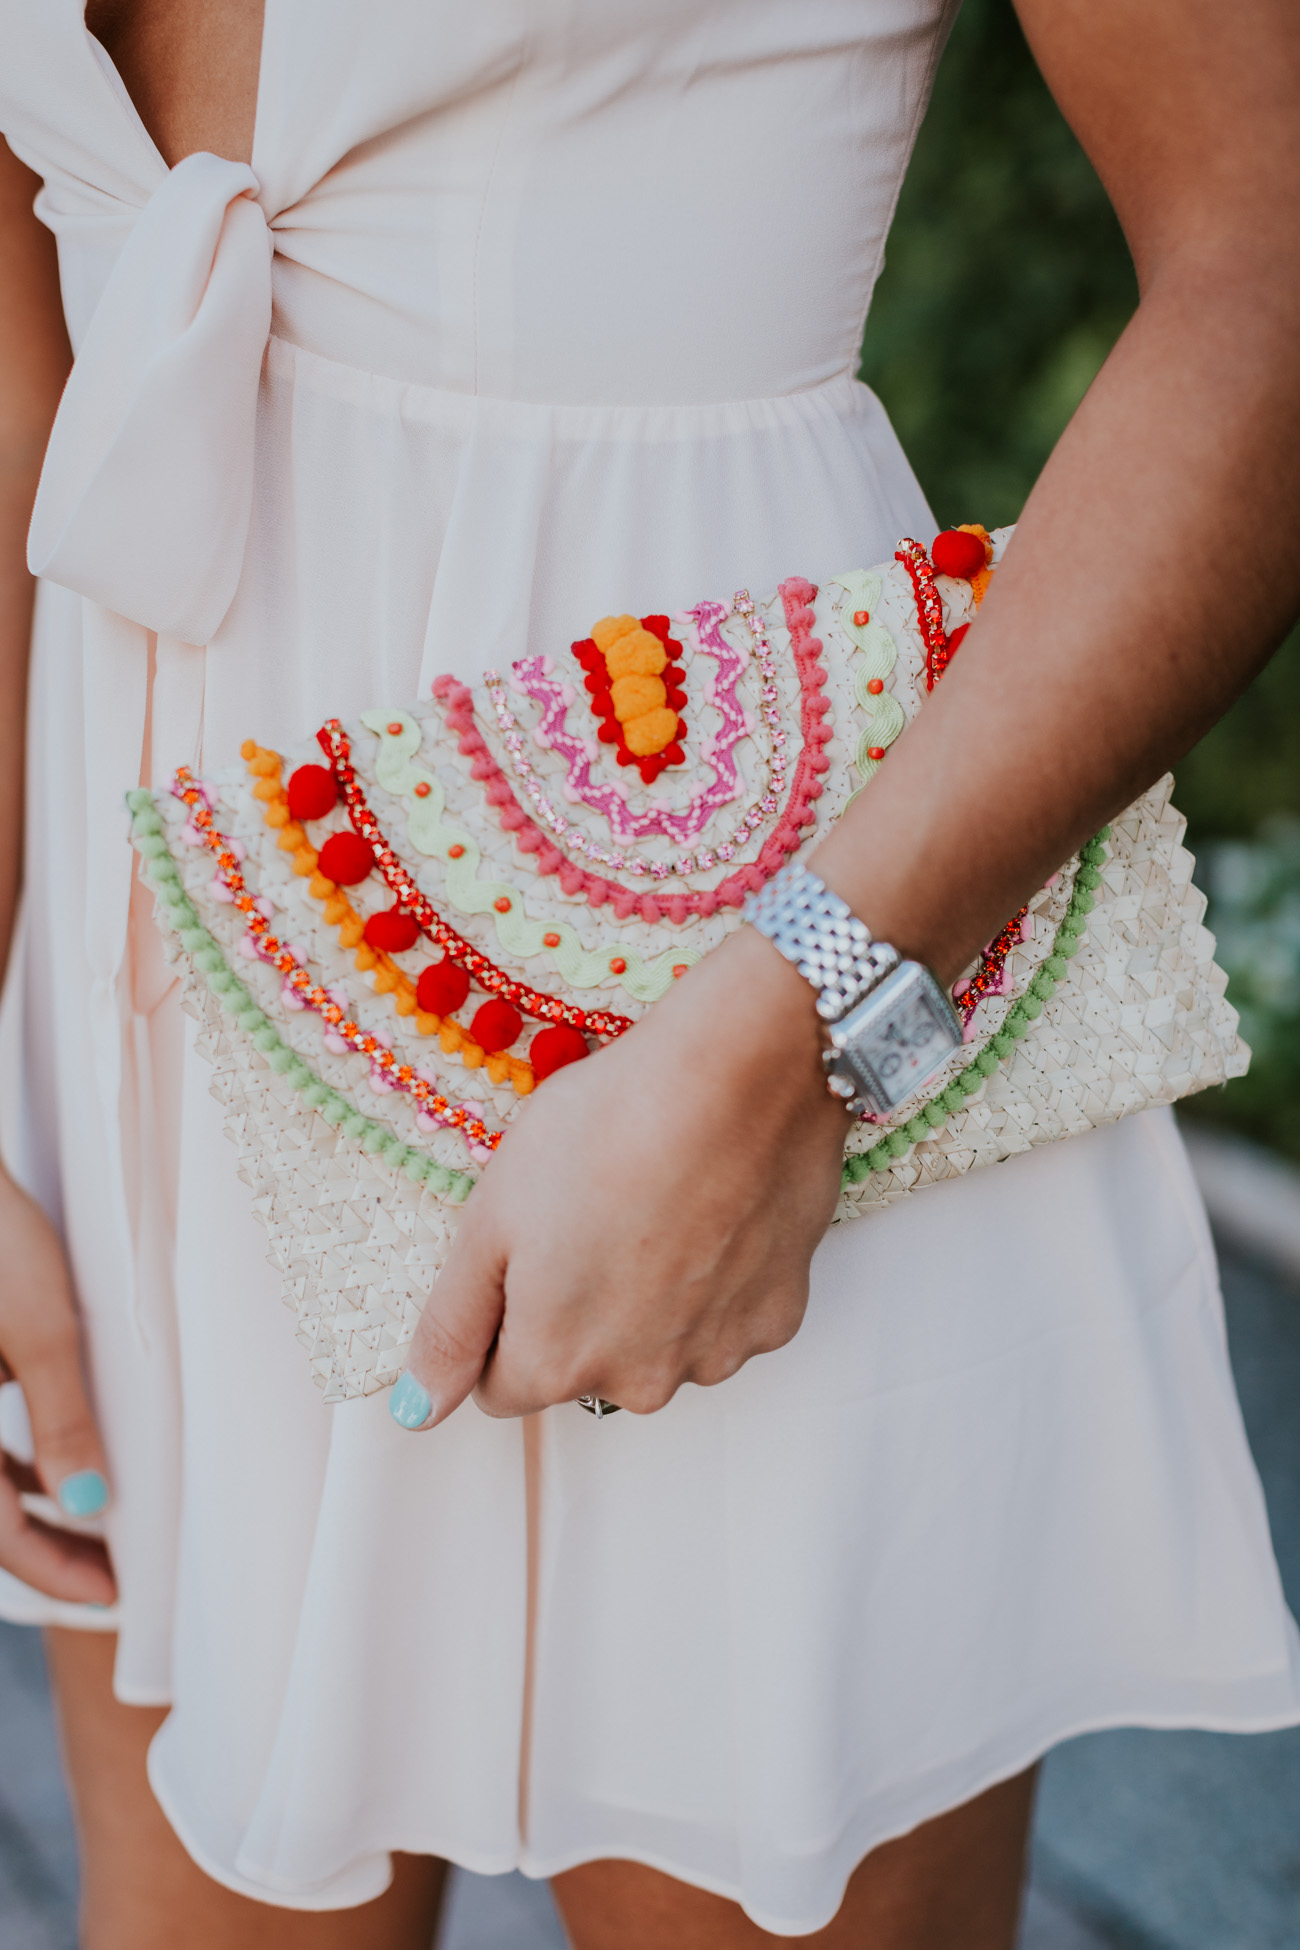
1124 618
34 360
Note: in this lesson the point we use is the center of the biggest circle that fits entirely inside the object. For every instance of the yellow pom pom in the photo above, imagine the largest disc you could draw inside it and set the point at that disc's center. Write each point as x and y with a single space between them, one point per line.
611 628
633 696
638 654
650 733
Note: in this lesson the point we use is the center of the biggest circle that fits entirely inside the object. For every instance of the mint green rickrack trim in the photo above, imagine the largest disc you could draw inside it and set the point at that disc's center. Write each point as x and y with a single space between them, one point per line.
177 912
580 967
934 1114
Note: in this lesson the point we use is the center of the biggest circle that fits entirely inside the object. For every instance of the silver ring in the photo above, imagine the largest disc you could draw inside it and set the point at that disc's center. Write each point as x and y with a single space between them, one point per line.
596 1405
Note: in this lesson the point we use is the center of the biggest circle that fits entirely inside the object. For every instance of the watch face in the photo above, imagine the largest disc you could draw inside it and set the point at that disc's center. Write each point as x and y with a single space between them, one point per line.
899 1037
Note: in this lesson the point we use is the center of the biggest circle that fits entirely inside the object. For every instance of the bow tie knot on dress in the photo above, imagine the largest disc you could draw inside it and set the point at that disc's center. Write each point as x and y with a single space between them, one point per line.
147 487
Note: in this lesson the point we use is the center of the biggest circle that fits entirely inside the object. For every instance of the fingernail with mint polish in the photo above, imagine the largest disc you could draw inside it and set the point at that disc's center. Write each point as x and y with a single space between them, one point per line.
83 1494
410 1405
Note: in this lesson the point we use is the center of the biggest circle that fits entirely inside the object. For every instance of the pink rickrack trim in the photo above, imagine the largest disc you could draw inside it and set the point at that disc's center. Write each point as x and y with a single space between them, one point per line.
608 798
751 821
797 596
430 1102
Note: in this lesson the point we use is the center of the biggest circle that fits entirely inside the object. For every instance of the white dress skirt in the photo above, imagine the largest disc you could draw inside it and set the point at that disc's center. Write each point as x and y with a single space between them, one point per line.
563 307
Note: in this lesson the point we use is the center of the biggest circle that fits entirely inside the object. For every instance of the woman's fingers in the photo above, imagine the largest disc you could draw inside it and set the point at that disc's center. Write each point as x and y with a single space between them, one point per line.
57 1562
456 1330
41 1349
69 1455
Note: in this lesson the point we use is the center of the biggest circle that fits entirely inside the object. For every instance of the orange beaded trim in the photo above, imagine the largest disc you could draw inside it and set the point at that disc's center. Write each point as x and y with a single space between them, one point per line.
401 1075
454 1039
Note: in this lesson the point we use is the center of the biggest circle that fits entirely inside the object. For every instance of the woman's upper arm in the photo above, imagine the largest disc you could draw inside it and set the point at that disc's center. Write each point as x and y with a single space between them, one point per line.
34 352
1188 111
34 361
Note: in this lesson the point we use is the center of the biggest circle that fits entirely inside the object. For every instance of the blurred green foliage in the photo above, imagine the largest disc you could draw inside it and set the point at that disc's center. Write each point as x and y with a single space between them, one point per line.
1006 284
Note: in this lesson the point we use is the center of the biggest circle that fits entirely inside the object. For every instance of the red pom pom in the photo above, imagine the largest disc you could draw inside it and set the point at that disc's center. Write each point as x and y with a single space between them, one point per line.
955 638
957 554
392 931
345 859
657 626
442 987
312 792
552 1048
496 1025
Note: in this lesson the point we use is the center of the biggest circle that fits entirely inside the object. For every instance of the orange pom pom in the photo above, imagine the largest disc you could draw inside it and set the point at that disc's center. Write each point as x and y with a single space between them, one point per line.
650 733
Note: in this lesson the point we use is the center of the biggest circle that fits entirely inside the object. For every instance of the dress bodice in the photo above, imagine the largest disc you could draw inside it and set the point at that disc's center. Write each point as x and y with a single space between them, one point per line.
605 200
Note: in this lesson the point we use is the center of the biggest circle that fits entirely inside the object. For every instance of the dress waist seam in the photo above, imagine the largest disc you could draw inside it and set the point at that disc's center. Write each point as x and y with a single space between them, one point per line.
840 397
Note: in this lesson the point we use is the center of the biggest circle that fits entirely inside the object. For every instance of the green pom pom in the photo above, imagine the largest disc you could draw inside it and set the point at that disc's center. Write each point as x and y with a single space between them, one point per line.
316 1094
1002 1044
393 1152
986 1062
880 1157
232 1001
1067 947
210 959
298 1074
1055 966
935 1116
1069 928
374 1138
158 871
1017 1023
1082 901
899 1144
139 799
953 1099
333 1108
1032 1007
250 1019
1043 985
192 939
1087 877
354 1125
280 1059
150 846
917 1129
969 1079
221 981
458 1187
416 1167
266 1038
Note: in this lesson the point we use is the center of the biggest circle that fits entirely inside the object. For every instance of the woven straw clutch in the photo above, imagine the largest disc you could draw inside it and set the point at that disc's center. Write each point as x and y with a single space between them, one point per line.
394 934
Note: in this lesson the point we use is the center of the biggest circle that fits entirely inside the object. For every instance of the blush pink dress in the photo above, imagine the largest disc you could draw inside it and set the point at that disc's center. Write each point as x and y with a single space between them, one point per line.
524 313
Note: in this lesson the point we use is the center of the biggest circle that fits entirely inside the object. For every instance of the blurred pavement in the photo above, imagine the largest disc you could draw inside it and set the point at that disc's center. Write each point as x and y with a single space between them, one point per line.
1144 1841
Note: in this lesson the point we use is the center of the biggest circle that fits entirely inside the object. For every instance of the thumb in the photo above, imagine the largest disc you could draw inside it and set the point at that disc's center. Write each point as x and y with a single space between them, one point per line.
456 1330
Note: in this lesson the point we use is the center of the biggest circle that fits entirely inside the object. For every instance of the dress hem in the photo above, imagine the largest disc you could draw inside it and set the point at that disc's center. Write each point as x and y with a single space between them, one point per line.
868 1834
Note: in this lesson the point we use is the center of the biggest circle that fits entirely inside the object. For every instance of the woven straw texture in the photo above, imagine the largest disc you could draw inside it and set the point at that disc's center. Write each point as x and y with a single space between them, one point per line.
570 888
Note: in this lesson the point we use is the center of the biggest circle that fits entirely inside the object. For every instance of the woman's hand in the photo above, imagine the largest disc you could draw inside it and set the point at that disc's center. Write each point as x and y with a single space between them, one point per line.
39 1347
650 1217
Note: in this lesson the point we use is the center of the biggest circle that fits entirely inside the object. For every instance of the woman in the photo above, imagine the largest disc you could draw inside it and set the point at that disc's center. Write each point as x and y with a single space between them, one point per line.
565 308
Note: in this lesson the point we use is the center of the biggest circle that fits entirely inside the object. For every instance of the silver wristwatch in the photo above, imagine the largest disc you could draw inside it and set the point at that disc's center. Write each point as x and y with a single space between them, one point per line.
888 1024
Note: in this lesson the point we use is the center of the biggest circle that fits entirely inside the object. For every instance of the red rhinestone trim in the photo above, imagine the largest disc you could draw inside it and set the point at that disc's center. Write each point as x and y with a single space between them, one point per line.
334 742
391 1066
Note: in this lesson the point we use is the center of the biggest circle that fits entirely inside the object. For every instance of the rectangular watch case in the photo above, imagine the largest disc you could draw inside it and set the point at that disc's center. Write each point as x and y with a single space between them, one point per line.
890 1044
